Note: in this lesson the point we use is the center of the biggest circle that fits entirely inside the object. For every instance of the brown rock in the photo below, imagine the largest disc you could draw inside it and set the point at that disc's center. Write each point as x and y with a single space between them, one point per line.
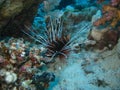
16 13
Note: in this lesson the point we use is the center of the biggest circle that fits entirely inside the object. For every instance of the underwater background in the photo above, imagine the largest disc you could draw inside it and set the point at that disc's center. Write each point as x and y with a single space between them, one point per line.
59 45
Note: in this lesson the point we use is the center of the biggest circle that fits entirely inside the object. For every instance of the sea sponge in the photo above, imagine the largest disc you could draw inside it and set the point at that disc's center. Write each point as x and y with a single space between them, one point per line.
111 15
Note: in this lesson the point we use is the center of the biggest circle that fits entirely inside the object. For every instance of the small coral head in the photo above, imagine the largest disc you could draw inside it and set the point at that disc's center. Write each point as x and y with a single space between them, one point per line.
58 47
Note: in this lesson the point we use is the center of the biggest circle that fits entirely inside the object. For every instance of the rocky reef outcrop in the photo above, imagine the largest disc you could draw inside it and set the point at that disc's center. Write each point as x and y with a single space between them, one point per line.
15 13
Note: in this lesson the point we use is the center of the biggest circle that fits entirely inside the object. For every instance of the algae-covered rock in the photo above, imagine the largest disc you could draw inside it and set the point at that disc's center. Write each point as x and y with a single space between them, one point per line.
14 11
11 9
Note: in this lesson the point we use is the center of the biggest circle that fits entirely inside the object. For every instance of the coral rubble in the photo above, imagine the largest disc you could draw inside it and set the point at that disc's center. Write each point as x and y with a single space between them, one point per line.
18 64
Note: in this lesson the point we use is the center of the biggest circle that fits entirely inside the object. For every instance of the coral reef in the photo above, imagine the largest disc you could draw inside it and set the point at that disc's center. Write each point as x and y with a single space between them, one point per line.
105 38
111 14
42 81
82 3
64 50
106 26
18 64
73 18
44 9
91 70
39 20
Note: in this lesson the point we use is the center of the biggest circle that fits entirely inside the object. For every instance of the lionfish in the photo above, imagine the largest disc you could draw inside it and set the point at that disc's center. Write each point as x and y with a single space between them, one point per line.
56 43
